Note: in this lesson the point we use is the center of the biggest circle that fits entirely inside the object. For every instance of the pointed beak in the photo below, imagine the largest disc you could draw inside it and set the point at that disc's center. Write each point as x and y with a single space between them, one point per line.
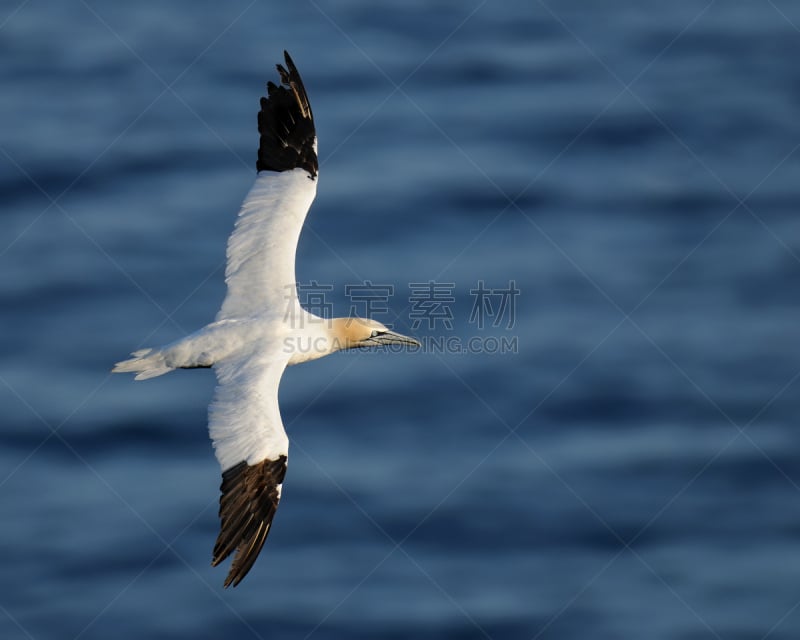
389 338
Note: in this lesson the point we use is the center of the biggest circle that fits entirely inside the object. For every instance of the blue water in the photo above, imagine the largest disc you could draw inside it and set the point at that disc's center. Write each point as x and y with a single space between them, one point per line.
630 468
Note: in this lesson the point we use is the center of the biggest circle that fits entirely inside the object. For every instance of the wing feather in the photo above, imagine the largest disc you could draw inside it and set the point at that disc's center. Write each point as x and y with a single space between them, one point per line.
286 124
260 272
251 446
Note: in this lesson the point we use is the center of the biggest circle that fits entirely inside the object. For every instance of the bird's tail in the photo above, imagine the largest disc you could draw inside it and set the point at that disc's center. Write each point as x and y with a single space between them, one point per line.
146 363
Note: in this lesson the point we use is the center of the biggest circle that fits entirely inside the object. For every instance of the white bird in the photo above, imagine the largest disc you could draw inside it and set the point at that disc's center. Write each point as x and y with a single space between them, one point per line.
261 327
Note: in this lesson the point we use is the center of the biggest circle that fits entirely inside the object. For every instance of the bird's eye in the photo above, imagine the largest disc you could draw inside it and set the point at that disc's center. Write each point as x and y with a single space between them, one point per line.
375 333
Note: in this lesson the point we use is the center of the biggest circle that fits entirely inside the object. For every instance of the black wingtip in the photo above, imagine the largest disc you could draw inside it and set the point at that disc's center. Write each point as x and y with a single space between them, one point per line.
286 124
247 504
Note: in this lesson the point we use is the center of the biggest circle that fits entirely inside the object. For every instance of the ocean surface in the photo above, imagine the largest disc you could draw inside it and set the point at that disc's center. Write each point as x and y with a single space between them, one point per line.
587 211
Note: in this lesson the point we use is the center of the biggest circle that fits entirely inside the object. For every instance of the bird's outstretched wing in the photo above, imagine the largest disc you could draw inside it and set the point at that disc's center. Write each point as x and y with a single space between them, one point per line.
260 271
251 446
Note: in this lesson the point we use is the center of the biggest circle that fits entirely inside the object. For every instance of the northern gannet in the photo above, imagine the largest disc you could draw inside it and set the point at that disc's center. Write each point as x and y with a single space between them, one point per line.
261 328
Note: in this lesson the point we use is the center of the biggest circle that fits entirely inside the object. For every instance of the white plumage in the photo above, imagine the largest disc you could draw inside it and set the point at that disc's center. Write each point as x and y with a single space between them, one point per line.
243 420
260 273
261 327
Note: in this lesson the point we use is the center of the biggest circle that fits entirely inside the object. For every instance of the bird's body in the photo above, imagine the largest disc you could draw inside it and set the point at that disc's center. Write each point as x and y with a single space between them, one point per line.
261 327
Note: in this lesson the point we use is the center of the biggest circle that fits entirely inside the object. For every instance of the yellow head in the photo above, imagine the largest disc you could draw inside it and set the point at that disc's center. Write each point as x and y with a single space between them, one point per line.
353 333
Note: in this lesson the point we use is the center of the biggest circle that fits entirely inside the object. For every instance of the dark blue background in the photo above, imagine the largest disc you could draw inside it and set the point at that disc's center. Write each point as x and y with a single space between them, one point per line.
632 471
